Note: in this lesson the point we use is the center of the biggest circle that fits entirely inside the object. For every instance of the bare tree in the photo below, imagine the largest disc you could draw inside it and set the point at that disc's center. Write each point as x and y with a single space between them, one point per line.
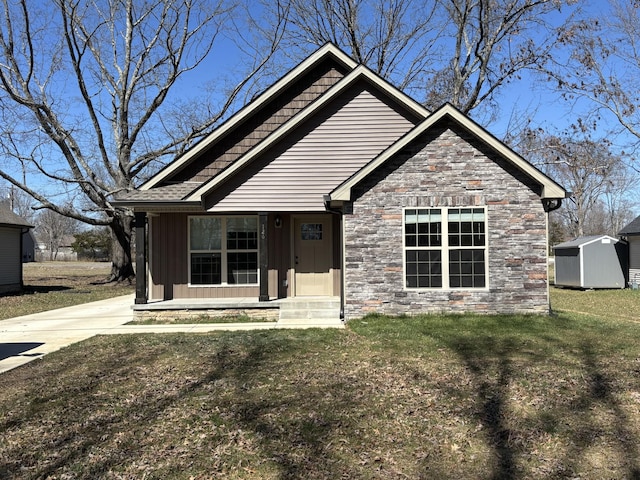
19 202
87 105
458 51
392 37
601 72
590 171
491 42
54 229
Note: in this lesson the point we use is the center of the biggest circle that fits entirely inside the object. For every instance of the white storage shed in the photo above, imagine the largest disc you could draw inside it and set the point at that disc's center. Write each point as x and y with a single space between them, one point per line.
591 262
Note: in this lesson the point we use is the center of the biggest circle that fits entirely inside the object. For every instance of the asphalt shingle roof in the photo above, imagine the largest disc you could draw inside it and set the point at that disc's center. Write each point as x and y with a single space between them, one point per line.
7 217
167 193
632 228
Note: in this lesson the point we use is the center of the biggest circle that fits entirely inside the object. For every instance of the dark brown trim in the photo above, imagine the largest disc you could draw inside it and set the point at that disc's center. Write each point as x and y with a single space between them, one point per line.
263 229
141 258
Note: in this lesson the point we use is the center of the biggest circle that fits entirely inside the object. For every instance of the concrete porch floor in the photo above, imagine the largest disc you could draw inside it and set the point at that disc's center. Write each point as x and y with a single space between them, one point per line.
294 312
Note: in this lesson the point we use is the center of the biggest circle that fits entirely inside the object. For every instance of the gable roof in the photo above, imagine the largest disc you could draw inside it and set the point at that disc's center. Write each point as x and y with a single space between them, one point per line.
360 73
633 228
550 189
328 51
10 219
586 240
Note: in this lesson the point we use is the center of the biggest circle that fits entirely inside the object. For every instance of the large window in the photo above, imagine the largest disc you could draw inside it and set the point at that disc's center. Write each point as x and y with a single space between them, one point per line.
223 250
445 248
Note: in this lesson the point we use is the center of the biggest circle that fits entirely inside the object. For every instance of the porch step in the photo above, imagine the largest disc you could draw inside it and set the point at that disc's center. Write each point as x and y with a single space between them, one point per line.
320 312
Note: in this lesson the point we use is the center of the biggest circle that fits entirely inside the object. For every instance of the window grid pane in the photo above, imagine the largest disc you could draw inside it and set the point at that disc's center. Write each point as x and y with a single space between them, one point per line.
466 268
311 231
234 239
242 268
424 269
423 228
466 227
206 268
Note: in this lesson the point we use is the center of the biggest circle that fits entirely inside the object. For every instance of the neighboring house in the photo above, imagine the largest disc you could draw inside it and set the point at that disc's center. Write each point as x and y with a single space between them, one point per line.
596 261
631 233
332 183
12 230
58 249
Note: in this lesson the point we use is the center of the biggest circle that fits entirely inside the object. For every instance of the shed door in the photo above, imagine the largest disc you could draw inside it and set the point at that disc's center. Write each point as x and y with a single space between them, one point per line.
313 256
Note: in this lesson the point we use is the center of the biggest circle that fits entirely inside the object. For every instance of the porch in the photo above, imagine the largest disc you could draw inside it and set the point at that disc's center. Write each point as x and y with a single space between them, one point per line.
293 312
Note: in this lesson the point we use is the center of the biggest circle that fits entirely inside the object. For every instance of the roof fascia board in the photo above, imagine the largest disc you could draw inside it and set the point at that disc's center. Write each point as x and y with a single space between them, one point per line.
359 73
599 239
153 203
328 50
550 189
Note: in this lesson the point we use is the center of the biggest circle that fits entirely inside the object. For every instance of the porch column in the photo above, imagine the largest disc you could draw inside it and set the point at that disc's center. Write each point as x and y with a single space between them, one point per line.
263 261
141 257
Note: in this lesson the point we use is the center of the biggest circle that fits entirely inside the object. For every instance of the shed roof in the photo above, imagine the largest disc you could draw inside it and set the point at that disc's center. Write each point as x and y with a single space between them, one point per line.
633 228
582 241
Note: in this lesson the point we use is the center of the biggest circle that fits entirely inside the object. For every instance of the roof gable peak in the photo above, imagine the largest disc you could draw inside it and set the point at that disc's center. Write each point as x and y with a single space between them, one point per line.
328 51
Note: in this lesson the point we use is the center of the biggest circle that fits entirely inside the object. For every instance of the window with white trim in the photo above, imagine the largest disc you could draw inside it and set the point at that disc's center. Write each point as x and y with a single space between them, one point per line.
445 248
223 250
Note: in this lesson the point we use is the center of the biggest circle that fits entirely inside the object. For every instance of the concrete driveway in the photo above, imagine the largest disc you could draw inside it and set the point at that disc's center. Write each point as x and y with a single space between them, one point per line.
26 338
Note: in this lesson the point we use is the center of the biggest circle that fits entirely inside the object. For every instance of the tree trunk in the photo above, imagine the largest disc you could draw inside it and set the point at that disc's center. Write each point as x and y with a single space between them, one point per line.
121 258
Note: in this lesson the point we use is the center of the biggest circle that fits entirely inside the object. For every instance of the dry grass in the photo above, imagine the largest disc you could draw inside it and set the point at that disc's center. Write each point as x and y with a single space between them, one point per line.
429 397
50 285
459 397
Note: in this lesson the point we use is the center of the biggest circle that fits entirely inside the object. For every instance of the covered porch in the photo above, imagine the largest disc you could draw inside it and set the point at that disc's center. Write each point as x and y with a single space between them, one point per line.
249 260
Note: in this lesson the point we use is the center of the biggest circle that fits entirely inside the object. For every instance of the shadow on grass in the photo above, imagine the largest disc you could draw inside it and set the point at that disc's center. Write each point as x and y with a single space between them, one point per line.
491 362
93 439
34 289
271 401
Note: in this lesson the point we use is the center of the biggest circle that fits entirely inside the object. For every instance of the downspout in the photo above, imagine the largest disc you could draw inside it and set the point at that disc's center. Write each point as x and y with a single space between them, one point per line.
549 205
337 211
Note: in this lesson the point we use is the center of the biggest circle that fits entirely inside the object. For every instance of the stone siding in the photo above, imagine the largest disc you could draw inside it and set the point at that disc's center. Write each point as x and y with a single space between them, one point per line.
181 316
446 168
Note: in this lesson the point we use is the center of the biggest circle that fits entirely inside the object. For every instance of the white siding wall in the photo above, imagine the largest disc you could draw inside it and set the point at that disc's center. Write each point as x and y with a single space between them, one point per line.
297 179
10 263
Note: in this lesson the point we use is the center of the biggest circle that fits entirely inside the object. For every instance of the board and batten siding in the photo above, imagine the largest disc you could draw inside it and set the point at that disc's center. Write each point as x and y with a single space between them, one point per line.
10 261
297 179
169 271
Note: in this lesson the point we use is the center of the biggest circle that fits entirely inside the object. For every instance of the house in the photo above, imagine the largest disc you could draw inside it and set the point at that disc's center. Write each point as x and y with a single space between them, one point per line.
50 248
333 183
12 231
595 261
631 233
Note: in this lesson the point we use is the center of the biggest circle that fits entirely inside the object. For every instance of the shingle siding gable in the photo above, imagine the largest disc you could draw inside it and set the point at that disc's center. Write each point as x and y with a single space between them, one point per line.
260 125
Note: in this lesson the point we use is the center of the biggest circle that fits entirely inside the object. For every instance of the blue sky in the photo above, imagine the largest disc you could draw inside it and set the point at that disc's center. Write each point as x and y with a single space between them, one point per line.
517 100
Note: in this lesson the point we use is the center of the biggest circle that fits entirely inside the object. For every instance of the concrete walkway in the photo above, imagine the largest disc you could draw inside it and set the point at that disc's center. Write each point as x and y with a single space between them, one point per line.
23 339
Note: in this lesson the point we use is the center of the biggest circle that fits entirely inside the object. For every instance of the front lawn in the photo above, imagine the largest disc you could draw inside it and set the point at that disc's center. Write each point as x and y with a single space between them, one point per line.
51 285
460 397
